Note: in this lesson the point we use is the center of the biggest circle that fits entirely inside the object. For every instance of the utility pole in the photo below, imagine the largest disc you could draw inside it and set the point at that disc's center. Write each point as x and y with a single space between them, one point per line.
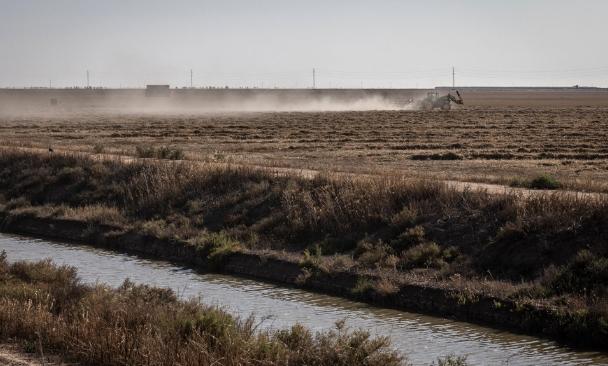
191 79
453 78
314 78
88 83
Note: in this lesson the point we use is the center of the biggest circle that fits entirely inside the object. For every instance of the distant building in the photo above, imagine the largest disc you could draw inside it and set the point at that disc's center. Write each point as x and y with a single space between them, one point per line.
157 90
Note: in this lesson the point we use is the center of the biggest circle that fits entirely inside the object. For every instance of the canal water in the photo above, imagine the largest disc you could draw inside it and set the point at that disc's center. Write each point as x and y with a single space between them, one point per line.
422 338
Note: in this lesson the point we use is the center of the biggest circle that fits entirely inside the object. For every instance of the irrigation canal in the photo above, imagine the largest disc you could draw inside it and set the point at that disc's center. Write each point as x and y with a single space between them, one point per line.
422 338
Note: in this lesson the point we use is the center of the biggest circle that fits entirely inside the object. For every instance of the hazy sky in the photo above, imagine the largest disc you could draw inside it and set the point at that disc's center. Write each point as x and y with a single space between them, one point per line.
269 43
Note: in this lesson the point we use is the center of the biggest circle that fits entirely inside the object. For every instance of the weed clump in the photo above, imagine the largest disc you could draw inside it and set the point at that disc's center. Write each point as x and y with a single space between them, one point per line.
451 360
587 275
216 246
163 152
544 182
407 239
427 255
541 182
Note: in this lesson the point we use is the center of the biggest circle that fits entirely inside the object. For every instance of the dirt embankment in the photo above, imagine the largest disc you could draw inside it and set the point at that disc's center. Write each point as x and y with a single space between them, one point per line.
535 263
461 303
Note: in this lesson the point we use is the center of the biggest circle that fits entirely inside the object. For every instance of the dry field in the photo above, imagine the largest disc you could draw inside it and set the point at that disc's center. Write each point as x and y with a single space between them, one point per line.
474 144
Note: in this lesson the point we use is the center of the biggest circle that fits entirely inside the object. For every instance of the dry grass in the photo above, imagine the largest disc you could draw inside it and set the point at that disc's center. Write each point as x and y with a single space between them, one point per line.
491 144
47 308
402 227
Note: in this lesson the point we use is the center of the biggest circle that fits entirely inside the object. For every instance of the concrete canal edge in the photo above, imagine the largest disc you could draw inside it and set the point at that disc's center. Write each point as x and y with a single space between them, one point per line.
579 330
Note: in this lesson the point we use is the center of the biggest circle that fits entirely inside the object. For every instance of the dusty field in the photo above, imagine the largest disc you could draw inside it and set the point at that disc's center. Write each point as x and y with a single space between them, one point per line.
478 144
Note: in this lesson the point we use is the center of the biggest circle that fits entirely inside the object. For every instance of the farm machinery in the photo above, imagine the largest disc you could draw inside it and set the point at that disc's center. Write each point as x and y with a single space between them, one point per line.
434 101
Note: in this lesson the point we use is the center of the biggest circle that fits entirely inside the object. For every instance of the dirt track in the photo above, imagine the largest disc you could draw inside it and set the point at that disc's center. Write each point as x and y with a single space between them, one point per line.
11 355
311 173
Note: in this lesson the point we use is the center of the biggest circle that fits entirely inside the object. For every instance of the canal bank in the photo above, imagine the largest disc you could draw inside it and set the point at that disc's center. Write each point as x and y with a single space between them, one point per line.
420 337
573 329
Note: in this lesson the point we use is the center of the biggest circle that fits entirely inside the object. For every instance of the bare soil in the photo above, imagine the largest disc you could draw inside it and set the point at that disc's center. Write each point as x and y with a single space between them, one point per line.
13 355
488 144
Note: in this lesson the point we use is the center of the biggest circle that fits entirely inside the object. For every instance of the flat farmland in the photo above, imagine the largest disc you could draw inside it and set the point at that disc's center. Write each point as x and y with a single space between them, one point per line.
475 144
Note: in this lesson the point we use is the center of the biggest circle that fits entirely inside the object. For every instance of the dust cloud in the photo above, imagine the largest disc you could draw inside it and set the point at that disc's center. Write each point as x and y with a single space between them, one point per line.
192 101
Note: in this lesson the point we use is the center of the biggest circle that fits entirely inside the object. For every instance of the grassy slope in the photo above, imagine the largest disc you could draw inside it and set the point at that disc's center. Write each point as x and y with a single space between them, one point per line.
544 247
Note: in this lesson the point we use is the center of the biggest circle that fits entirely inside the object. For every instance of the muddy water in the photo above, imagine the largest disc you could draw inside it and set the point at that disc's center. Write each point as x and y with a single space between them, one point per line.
422 338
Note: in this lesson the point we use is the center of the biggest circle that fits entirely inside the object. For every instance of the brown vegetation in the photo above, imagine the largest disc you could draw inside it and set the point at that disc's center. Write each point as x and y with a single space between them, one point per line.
494 145
546 248
48 310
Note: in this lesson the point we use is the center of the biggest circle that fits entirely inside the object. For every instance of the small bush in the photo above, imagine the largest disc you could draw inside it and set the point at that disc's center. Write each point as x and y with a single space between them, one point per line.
373 255
385 287
452 360
98 148
409 238
544 182
587 274
166 152
404 218
540 182
428 255
216 246
163 152
145 151
363 286
312 258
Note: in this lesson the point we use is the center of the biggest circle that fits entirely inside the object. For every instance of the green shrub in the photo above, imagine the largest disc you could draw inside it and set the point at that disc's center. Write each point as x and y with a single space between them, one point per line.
544 182
404 218
587 274
541 182
216 245
452 360
373 254
428 255
363 286
409 238
312 258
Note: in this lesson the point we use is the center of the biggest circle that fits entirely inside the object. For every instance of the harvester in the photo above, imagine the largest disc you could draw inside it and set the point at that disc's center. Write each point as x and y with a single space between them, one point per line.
434 101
